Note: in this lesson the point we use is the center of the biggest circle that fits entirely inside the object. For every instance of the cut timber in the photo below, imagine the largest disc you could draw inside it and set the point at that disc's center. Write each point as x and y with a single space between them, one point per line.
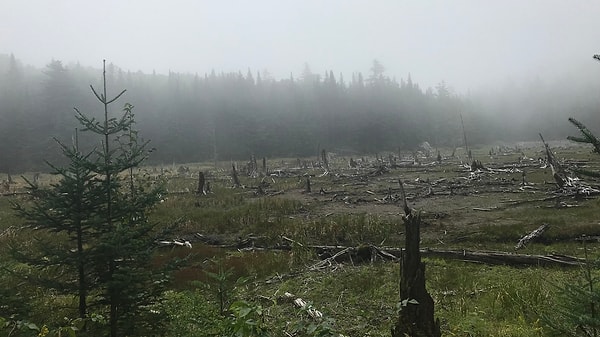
531 236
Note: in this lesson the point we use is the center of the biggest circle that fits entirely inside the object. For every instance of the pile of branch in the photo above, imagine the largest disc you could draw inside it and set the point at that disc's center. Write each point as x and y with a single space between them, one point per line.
353 255
569 185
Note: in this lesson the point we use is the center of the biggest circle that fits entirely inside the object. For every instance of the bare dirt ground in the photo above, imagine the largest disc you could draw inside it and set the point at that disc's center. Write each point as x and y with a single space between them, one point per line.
456 198
513 188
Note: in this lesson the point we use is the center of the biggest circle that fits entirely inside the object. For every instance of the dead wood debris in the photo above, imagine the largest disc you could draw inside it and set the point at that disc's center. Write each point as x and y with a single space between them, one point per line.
300 303
333 256
534 235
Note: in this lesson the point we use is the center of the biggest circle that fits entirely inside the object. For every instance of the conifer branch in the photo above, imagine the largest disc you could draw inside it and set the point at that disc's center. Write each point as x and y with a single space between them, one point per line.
101 99
117 97
588 136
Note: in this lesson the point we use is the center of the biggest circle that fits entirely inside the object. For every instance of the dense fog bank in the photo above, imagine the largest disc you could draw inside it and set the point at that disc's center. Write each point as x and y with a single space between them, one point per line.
231 116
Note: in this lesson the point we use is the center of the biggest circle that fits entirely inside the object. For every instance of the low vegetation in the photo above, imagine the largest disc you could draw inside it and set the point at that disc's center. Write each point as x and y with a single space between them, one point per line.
249 249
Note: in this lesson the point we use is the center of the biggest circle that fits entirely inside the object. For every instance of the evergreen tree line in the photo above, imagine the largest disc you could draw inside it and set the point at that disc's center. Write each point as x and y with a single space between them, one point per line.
231 116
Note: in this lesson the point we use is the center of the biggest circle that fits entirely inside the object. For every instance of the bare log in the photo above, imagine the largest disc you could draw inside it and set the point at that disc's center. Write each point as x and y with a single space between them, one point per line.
370 253
535 234
503 258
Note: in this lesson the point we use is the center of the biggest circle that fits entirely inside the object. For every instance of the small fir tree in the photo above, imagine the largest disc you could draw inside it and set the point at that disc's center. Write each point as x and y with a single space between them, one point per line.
125 245
66 208
105 238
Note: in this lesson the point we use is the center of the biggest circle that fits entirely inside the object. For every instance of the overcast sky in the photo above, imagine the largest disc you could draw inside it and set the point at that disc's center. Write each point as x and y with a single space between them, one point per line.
465 43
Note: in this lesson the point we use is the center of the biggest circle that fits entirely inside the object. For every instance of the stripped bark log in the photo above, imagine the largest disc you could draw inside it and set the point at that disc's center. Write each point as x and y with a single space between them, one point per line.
535 234
503 258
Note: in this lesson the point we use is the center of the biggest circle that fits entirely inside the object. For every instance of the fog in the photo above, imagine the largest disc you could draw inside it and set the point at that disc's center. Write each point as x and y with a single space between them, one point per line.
467 44
230 79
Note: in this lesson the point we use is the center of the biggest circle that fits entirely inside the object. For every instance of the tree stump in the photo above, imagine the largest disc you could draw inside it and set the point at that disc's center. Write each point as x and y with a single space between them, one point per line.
324 159
234 176
201 181
416 317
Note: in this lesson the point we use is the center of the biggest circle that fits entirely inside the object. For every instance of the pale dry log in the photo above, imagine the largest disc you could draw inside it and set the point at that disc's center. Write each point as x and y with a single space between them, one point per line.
535 234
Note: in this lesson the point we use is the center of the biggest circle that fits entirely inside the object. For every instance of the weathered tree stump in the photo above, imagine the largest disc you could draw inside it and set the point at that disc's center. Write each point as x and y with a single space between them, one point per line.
416 317
324 159
201 182
234 176
477 165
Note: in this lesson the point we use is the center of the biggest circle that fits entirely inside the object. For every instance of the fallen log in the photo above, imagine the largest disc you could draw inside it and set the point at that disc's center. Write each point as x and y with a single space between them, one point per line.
535 234
487 257
503 258
331 255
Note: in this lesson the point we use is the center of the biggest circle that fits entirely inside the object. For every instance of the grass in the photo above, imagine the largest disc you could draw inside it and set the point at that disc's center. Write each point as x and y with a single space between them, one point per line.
471 299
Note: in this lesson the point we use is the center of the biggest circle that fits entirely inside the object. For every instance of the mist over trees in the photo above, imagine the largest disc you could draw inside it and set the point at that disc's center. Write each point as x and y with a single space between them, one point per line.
230 116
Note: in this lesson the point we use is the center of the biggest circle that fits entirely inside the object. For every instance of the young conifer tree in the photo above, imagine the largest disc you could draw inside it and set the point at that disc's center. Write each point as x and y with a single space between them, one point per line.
125 237
105 238
66 210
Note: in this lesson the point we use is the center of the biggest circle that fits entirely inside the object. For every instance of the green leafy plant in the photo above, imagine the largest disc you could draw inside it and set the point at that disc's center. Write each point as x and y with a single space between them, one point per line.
222 285
247 320
322 326
17 328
